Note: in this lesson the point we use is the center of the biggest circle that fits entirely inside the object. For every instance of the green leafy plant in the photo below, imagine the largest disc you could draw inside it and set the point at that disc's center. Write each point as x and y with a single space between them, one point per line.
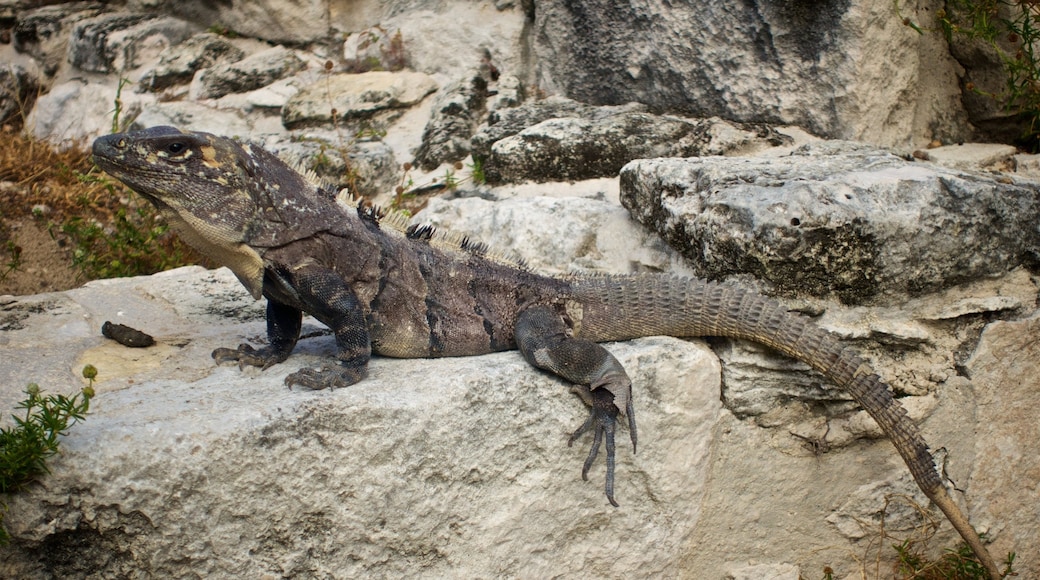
26 447
14 258
131 241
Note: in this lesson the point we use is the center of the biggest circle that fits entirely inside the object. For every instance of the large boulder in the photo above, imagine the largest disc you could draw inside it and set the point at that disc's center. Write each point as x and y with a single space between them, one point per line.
834 218
831 66
116 42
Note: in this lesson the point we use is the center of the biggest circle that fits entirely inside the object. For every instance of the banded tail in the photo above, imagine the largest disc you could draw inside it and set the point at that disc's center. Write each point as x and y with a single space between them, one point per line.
625 307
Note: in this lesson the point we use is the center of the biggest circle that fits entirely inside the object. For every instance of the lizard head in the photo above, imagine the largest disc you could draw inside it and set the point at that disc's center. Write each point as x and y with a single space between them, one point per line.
199 182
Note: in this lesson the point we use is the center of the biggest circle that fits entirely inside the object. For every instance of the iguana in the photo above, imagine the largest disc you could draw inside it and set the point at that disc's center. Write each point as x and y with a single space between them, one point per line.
416 293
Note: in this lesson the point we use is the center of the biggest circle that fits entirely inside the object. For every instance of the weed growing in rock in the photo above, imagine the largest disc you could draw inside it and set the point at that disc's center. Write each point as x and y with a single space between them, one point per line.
911 552
956 564
1011 29
25 448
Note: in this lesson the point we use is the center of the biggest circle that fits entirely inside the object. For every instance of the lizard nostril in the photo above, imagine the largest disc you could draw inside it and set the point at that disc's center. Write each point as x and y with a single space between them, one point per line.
121 143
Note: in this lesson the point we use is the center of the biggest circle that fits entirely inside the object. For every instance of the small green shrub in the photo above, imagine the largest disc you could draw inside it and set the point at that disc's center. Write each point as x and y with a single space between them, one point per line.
25 448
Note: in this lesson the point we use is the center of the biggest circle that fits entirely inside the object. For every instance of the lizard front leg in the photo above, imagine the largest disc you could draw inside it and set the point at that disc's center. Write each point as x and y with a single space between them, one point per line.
323 294
545 340
283 330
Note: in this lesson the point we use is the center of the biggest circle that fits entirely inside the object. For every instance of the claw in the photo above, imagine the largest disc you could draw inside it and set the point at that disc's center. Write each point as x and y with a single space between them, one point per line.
327 378
602 422
245 355
597 438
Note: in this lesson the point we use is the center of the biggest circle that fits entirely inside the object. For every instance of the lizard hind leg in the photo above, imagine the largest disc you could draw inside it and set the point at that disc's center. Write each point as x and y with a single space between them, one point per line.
599 379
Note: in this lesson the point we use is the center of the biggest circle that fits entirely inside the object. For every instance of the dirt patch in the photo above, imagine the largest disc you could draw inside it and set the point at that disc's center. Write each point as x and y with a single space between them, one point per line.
45 265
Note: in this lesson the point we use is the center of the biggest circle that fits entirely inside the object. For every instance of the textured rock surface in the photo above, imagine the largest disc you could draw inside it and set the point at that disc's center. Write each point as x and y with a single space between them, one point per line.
117 42
355 96
17 92
454 467
837 218
1003 370
830 67
559 140
457 111
178 64
44 32
273 20
250 73
451 467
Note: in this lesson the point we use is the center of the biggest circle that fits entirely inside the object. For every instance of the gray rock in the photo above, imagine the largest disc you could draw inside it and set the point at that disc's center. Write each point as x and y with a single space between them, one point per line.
507 122
179 63
374 48
827 66
837 219
366 168
44 32
193 116
601 143
556 234
1003 372
986 74
250 73
277 21
17 93
355 96
76 110
457 111
118 42
456 466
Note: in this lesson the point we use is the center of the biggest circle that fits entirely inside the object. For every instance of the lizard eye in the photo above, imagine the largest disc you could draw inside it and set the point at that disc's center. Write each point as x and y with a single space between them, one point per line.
176 148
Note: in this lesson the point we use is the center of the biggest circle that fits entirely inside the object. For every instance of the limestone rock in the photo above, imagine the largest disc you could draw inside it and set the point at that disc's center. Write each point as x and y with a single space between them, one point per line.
456 113
118 41
828 67
453 466
1003 371
366 168
507 122
555 234
179 63
277 21
77 110
558 140
44 32
195 117
833 218
973 156
17 92
250 73
355 96
374 48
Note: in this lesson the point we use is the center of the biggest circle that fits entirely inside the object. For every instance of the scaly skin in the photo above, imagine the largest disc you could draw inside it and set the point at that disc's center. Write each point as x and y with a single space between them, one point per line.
414 294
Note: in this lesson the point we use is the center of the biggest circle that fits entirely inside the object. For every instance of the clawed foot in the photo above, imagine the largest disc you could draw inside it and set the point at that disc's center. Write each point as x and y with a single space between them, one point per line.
326 378
602 422
246 355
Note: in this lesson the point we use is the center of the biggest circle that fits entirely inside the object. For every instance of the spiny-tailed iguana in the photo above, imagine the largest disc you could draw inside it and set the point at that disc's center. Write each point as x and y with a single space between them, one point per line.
405 295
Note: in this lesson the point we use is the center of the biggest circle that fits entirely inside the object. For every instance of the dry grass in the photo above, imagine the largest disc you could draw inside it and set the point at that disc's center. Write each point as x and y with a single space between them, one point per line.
96 223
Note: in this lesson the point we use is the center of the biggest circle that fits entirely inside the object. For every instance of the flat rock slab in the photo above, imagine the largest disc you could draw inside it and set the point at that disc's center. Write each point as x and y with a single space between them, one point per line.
838 219
450 466
355 96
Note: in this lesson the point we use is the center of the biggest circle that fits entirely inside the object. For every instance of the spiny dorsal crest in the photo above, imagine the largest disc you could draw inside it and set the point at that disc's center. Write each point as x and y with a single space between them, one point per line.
399 222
